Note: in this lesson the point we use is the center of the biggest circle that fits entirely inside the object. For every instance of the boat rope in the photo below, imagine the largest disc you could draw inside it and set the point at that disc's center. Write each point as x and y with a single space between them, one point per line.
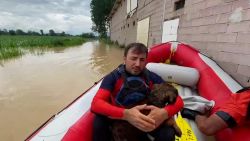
173 48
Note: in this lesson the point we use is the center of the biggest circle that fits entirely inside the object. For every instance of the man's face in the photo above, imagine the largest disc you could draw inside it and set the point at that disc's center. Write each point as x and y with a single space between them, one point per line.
135 62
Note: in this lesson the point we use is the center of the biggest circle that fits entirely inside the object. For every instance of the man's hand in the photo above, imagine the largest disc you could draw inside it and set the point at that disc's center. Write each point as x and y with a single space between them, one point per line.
139 120
158 114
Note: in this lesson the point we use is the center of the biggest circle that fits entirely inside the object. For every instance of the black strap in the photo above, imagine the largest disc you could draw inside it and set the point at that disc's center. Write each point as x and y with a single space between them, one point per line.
121 70
243 89
227 118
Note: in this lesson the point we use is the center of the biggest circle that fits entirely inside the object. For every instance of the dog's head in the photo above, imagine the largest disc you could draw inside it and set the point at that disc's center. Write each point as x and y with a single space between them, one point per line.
162 94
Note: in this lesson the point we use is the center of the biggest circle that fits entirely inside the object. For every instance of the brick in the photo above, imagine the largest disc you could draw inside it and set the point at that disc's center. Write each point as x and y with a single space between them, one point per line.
199 45
211 3
188 3
246 15
183 38
236 58
193 15
238 27
203 21
193 30
210 20
245 4
221 9
223 18
214 46
227 38
197 38
243 38
201 29
196 1
198 6
147 2
184 23
244 70
217 28
213 54
243 80
188 10
188 30
235 48
228 1
194 7
228 66
204 37
206 12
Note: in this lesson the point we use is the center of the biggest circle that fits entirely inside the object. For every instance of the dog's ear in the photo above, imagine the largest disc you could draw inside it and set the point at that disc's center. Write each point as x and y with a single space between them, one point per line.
166 84
172 98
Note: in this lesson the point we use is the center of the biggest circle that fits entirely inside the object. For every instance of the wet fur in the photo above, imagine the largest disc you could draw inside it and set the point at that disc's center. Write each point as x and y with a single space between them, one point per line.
159 96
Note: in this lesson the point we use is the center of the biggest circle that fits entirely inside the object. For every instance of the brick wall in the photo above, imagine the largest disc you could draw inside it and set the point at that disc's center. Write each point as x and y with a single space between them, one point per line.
146 8
221 30
218 28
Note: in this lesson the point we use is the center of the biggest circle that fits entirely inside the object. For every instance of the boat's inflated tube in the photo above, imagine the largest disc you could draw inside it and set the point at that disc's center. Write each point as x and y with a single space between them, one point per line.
176 74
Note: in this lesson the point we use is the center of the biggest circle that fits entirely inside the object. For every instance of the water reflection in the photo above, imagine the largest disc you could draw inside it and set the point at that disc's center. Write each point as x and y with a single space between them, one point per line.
105 57
34 87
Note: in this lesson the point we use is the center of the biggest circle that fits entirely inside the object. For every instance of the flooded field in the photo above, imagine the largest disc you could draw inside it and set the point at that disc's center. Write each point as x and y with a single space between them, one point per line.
36 86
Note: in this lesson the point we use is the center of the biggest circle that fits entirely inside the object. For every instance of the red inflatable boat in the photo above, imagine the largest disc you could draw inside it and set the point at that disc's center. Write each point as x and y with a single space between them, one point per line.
74 123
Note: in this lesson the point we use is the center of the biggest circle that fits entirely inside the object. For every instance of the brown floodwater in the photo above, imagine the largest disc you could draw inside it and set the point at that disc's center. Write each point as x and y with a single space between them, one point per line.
37 85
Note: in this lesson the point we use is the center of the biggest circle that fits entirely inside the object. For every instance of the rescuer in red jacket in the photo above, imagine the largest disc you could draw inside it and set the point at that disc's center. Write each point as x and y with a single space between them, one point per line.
234 112
109 99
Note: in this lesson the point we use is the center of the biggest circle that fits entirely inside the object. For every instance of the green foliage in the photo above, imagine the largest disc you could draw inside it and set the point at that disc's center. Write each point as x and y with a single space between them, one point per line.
52 32
11 46
109 42
100 10
12 32
41 33
88 35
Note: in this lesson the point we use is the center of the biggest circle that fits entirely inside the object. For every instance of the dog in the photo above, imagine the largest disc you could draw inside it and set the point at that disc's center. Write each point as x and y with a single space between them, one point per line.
160 95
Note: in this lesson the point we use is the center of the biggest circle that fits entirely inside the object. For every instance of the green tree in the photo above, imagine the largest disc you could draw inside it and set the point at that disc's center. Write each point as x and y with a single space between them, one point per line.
88 35
52 32
62 34
100 10
12 32
33 33
20 32
41 31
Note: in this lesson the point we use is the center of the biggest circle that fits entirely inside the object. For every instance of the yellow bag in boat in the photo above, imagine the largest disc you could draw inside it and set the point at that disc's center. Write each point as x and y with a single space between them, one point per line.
187 132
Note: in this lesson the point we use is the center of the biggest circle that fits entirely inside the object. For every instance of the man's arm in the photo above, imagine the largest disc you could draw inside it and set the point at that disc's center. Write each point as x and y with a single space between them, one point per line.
173 109
101 105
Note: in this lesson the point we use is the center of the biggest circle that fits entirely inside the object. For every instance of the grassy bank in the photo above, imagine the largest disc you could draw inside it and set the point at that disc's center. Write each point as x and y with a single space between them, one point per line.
109 42
12 46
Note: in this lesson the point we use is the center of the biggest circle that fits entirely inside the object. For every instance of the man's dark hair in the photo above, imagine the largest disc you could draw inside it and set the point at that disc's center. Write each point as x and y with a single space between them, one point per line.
137 48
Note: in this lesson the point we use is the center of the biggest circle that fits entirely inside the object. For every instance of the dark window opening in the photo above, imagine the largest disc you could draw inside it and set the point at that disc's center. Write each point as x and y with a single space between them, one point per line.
128 25
179 4
133 23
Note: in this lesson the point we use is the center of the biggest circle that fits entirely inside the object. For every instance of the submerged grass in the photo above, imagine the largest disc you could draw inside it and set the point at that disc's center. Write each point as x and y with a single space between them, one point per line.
13 46
112 43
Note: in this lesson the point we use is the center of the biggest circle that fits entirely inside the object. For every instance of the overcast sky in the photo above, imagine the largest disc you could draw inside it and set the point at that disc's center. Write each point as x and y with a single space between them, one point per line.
71 16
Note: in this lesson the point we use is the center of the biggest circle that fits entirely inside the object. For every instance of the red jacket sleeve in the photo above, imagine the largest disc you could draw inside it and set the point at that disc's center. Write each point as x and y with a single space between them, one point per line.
101 104
173 109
